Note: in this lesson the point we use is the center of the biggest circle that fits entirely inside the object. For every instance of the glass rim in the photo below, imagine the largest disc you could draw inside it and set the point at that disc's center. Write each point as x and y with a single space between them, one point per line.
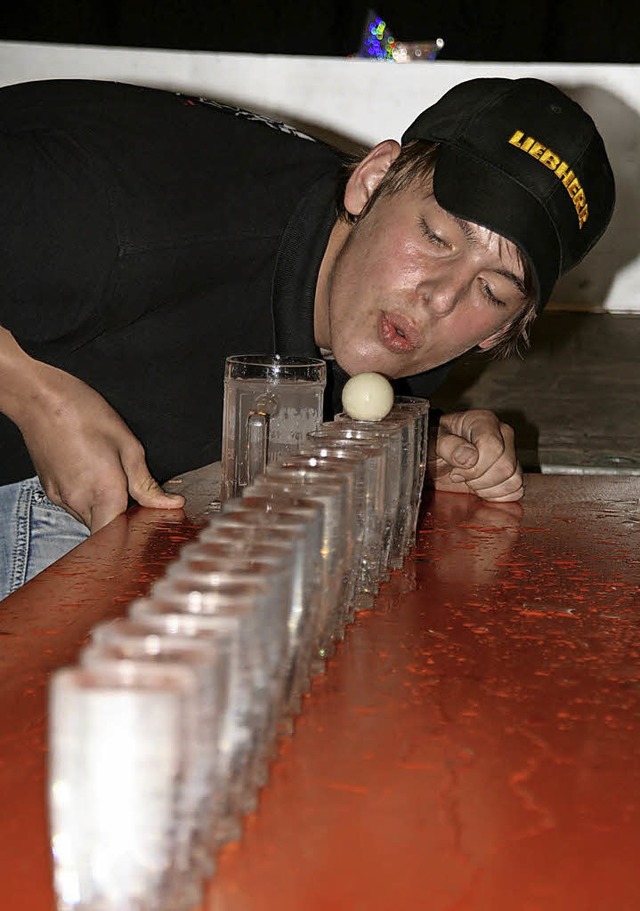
266 360
246 590
128 674
162 613
275 367
268 519
134 629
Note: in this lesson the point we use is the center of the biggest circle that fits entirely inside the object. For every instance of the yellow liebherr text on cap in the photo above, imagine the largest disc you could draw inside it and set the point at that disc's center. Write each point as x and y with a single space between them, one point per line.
560 168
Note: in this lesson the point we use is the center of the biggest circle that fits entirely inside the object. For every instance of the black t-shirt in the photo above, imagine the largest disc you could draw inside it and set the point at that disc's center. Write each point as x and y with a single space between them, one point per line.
146 236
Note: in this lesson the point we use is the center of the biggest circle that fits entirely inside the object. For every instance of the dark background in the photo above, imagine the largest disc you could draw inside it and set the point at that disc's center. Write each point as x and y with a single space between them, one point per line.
586 31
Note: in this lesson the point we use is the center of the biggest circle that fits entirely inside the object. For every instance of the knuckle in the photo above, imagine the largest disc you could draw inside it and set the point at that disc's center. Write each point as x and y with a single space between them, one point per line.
148 485
483 416
507 431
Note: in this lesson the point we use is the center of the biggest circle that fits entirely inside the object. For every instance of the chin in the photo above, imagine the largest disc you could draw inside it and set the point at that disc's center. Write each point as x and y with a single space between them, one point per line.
366 357
354 364
350 361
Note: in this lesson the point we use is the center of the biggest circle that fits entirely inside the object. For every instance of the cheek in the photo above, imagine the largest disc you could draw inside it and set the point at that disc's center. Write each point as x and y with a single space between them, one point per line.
367 258
476 329
351 289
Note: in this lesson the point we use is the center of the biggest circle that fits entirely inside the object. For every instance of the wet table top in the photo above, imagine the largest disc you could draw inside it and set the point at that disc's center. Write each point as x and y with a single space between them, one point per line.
474 744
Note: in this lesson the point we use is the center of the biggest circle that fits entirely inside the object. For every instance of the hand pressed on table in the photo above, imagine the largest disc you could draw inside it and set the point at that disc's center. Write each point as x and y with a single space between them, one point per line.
474 452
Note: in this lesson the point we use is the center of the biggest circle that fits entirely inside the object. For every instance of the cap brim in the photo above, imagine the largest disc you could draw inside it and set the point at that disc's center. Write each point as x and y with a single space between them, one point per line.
477 191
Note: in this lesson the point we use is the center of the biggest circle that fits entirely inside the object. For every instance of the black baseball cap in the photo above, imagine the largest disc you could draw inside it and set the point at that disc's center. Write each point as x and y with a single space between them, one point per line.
519 157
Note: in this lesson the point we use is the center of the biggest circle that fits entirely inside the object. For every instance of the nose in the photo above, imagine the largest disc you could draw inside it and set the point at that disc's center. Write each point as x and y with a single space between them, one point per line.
445 285
442 290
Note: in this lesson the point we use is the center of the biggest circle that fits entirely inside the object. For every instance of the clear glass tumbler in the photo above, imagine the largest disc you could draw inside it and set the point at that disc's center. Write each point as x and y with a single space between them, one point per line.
121 742
419 407
335 491
376 558
390 436
126 638
304 527
223 614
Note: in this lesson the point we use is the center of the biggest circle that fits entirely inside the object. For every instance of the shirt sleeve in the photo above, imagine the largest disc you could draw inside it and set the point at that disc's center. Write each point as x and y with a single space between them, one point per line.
58 250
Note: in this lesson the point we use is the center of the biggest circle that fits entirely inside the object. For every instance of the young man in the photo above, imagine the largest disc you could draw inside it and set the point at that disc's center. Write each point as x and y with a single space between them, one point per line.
149 235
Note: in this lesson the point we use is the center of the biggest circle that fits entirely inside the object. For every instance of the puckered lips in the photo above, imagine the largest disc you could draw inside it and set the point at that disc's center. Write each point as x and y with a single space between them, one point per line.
397 333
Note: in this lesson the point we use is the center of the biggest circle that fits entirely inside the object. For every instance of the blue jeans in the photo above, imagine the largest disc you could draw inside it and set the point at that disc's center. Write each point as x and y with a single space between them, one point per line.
34 533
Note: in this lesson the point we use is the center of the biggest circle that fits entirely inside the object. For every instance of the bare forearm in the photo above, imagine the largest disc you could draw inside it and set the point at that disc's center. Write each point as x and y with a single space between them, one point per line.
23 385
86 457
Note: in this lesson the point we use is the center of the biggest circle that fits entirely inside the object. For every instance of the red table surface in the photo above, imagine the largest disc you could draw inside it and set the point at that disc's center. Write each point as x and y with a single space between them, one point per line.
474 744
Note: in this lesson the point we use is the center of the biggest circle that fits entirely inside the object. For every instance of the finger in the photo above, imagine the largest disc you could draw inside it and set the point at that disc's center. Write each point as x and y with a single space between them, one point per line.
485 432
506 498
503 472
496 453
456 451
104 510
143 487
149 493
507 490
445 484
497 459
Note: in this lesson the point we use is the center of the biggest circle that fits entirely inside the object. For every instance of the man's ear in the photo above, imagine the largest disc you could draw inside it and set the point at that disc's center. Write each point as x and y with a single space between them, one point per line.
367 175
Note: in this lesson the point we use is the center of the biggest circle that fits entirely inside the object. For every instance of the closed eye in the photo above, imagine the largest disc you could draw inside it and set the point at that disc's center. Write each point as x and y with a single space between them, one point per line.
488 293
431 236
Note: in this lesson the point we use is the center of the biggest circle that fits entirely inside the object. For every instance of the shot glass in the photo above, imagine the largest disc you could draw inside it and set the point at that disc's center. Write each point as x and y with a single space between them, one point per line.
391 438
271 498
410 473
419 407
334 489
366 578
283 544
217 615
328 499
375 555
353 466
422 406
121 739
304 528
400 434
264 629
224 548
126 638
309 469
256 539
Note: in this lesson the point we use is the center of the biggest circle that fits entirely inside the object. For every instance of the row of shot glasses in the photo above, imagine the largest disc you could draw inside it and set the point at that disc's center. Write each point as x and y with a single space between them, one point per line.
162 734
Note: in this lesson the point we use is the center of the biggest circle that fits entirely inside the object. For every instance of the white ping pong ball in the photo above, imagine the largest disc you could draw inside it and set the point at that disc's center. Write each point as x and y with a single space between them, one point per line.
367 397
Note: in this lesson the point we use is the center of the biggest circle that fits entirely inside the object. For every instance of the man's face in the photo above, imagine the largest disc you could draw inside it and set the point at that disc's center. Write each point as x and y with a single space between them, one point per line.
412 287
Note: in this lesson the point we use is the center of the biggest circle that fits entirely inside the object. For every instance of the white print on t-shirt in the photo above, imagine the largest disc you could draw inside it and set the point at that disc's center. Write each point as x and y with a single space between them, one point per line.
249 115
